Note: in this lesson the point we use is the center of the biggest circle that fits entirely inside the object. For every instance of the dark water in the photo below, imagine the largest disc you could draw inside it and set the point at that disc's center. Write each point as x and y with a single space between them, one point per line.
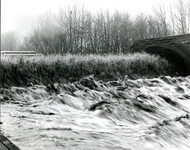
142 114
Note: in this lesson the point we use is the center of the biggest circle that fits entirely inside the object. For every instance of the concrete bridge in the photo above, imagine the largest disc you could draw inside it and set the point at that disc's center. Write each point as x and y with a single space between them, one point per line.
176 49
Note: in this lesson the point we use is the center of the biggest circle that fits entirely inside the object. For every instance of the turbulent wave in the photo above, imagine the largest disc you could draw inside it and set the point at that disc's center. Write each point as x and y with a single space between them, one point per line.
141 114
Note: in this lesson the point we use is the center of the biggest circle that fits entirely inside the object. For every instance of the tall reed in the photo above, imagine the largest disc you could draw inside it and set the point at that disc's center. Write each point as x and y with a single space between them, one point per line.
19 71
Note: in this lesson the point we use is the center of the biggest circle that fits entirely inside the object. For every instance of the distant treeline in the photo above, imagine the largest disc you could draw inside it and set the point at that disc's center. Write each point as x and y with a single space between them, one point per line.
76 30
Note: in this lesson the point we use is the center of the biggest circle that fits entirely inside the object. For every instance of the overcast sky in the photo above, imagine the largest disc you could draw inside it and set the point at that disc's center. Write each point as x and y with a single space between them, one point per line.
18 15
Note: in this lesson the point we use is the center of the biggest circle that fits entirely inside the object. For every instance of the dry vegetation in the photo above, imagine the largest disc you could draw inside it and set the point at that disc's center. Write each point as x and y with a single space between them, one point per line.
69 68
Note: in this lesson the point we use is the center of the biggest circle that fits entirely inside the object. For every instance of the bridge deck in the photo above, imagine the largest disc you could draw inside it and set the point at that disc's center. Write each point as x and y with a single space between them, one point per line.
6 144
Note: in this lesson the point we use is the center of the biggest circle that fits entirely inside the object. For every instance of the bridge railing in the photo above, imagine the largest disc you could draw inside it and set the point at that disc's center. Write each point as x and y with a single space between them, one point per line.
19 53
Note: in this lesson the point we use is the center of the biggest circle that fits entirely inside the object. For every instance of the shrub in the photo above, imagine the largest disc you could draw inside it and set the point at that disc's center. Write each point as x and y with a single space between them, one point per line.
69 68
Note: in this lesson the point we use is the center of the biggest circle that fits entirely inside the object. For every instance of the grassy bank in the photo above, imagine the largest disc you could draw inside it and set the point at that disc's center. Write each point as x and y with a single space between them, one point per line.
70 68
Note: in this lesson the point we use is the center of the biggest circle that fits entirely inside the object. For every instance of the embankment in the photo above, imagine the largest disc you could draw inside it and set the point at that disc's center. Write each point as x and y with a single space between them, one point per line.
69 68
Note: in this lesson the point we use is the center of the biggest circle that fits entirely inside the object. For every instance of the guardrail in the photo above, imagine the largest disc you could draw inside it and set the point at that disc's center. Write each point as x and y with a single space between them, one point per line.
19 53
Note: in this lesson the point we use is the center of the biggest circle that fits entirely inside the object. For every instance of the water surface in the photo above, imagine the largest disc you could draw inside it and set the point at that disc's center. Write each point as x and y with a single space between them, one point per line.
141 114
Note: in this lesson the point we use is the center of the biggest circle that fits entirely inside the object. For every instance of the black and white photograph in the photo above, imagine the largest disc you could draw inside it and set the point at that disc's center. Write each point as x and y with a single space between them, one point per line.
95 75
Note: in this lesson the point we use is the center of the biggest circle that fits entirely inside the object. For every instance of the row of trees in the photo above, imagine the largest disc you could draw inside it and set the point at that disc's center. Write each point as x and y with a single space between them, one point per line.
76 30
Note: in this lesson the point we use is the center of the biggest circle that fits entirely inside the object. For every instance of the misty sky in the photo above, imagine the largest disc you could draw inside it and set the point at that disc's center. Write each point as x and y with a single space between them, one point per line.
18 15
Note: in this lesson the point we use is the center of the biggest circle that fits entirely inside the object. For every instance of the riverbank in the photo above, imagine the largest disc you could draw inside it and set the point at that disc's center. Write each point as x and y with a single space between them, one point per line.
20 71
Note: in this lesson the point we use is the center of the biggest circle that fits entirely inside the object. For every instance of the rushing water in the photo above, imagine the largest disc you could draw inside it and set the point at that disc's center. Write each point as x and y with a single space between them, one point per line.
143 114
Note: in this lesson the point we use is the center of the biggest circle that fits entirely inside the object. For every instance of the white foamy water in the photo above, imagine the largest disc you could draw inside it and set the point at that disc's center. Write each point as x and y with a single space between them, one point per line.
141 114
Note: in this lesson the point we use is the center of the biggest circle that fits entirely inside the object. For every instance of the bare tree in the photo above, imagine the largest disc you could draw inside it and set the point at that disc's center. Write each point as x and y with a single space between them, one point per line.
76 30
140 27
161 17
10 41
180 16
43 36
